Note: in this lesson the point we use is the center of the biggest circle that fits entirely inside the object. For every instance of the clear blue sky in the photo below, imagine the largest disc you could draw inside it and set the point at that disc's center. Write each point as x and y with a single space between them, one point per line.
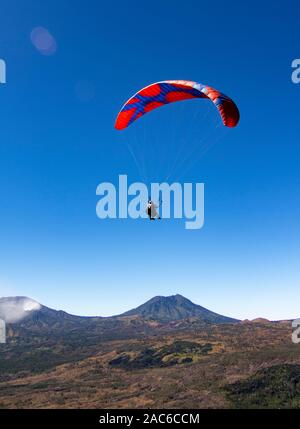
56 146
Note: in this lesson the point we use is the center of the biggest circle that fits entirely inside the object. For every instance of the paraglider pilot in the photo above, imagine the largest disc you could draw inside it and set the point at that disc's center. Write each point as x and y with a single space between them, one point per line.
151 210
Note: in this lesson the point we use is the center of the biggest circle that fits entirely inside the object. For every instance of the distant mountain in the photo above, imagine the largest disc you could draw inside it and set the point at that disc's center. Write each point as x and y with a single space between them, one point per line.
176 307
163 309
28 312
39 337
259 320
76 356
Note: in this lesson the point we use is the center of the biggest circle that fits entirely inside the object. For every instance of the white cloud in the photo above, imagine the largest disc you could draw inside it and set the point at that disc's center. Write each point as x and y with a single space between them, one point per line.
15 309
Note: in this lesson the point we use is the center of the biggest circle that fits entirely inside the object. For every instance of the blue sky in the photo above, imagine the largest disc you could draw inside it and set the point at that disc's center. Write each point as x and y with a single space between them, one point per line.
58 143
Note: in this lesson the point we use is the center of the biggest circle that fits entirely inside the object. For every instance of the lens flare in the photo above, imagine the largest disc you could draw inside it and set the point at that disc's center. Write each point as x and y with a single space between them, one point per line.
43 41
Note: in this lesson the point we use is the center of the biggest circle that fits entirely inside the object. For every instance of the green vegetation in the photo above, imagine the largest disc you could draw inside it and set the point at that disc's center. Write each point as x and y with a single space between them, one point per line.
179 352
274 387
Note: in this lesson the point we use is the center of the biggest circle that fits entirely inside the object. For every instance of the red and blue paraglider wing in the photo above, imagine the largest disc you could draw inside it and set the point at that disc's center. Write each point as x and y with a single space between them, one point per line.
161 93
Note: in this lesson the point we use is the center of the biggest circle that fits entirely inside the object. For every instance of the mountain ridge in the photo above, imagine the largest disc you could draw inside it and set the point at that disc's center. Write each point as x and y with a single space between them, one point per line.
175 307
163 309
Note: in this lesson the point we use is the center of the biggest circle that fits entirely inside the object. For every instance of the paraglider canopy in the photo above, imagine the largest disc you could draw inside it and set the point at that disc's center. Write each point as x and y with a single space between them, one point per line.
168 91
